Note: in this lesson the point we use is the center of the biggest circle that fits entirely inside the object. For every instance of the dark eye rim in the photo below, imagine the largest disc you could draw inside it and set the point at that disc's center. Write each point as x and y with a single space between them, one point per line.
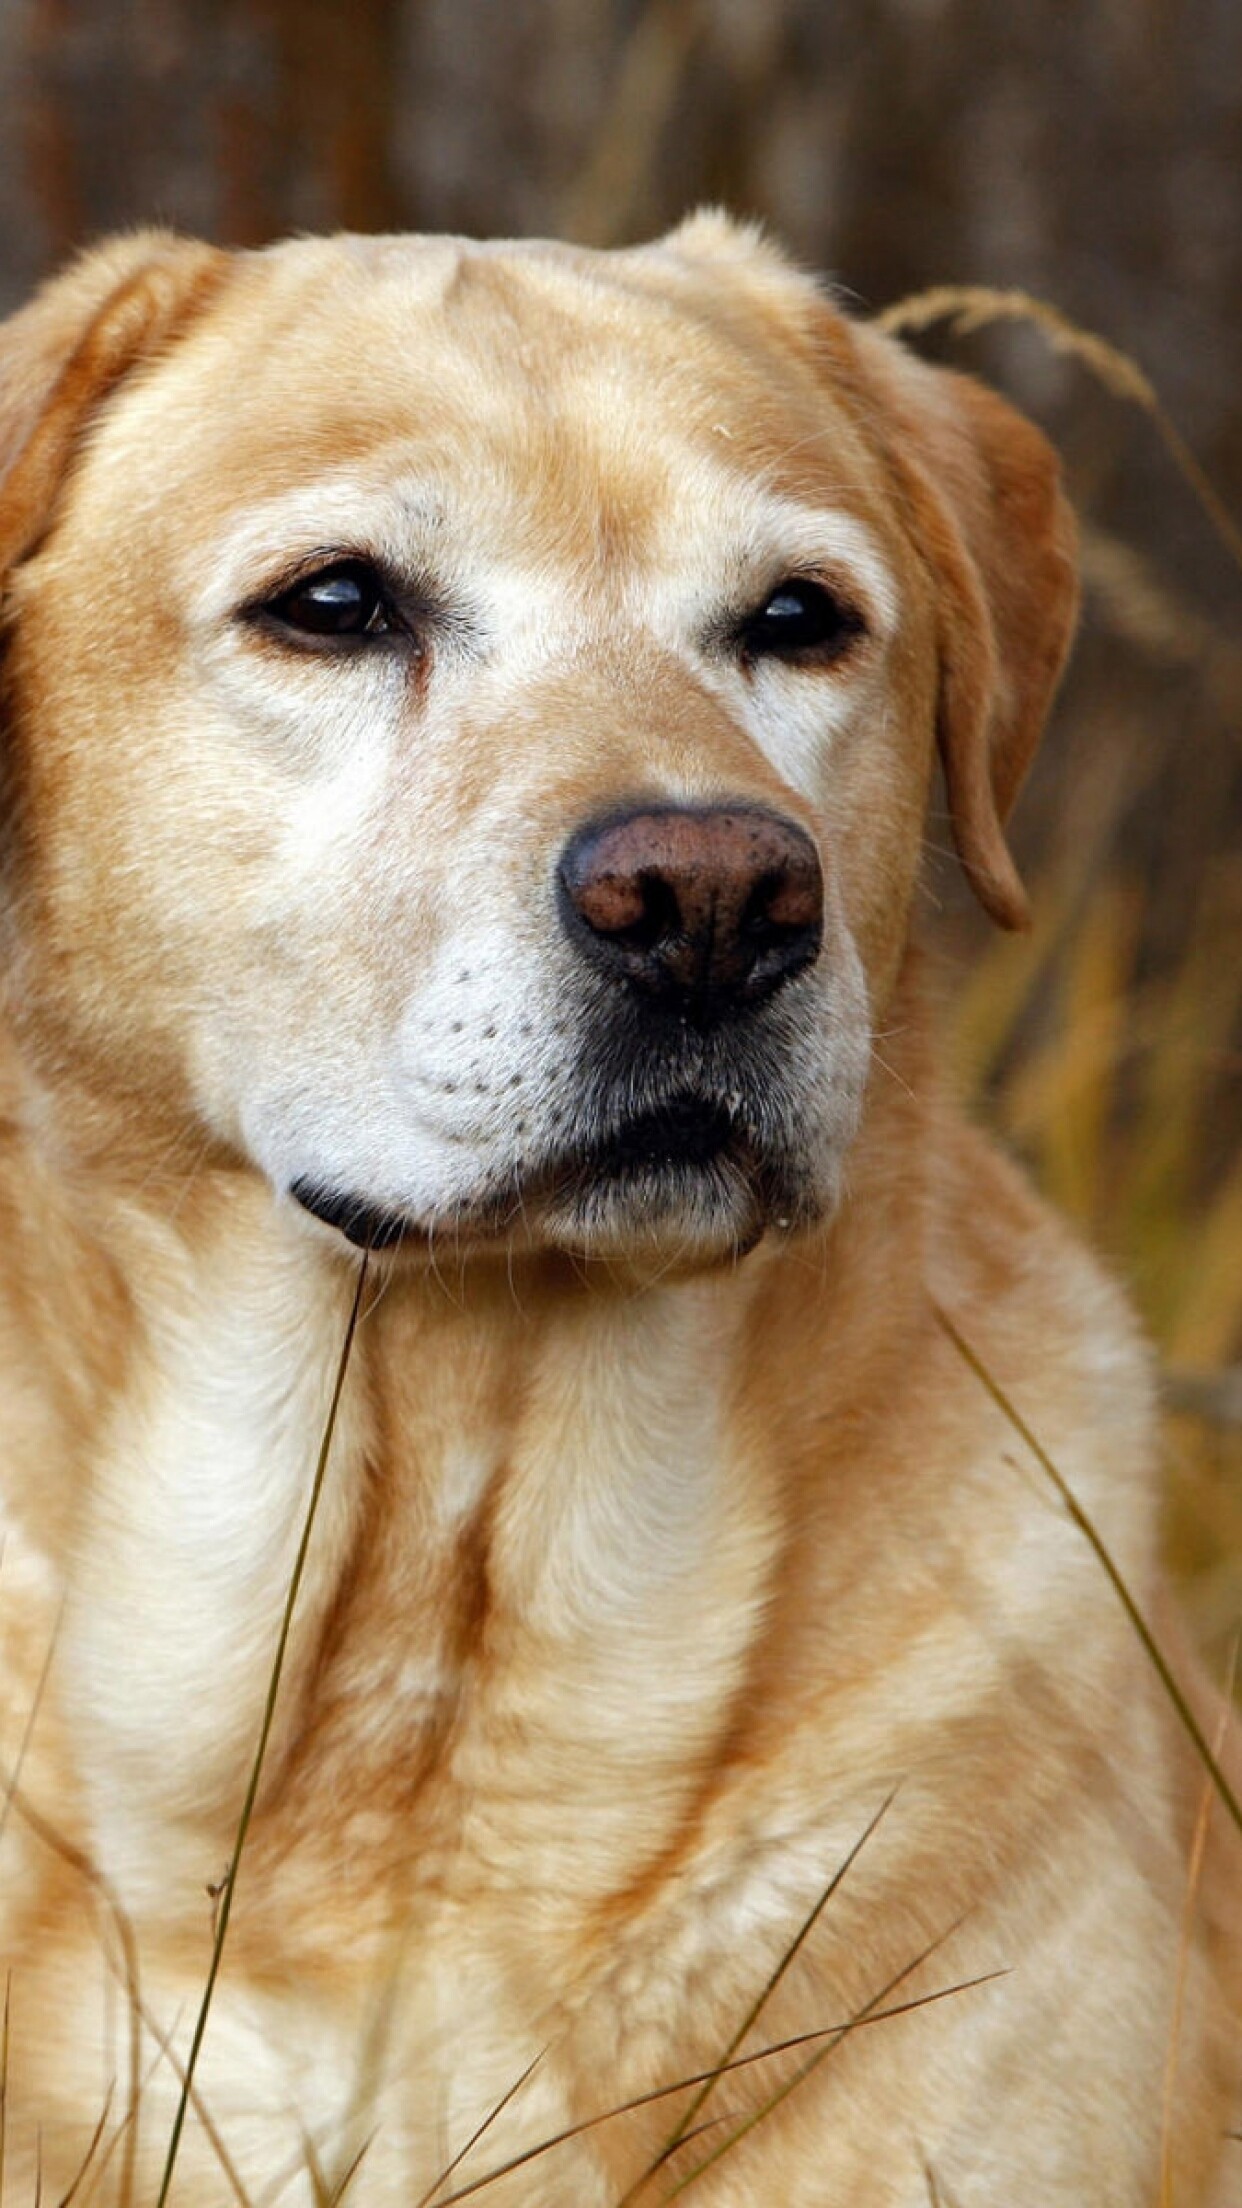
388 619
836 622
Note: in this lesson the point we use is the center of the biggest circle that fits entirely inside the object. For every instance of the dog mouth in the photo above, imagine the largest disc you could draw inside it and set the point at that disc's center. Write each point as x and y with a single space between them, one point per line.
684 1154
684 1134
367 1226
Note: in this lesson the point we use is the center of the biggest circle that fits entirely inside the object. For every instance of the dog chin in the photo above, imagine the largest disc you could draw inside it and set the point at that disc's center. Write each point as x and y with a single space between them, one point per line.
674 1214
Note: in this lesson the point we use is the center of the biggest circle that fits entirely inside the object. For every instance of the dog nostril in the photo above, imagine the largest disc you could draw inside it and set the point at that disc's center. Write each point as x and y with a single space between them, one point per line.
638 908
610 902
659 917
781 905
791 900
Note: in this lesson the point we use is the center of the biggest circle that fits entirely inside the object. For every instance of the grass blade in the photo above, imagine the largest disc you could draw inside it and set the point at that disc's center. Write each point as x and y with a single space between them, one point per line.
1185 1943
425 2199
969 307
91 2151
1089 1532
139 2016
256 1771
81 1863
761 2000
739 2062
652 70
13 1780
338 2195
868 2014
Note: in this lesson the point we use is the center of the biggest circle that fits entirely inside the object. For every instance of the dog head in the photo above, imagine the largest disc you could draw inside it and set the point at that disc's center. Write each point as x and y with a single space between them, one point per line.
470 709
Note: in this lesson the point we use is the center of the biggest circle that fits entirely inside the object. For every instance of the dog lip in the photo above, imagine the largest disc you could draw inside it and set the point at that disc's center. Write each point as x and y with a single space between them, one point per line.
685 1135
367 1226
684 1132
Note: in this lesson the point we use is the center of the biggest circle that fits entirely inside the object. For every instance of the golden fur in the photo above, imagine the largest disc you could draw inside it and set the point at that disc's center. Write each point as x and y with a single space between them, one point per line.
669 1549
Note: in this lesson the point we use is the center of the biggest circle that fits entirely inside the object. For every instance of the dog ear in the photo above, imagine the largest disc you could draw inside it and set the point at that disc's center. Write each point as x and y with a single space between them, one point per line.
982 491
62 355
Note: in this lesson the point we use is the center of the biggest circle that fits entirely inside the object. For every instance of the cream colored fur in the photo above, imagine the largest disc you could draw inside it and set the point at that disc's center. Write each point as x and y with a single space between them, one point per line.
669 1549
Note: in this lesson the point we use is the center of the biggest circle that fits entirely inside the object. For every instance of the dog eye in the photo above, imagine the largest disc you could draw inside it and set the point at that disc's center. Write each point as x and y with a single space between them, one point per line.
800 620
346 600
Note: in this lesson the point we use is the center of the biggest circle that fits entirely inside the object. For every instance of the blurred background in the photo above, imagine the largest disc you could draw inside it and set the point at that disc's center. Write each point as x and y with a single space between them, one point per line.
1089 154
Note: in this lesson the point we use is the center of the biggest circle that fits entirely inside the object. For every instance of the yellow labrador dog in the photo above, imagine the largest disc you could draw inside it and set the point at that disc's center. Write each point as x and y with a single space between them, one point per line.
468 714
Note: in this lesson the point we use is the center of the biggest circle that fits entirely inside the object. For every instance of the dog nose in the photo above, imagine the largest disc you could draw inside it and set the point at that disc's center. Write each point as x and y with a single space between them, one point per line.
708 910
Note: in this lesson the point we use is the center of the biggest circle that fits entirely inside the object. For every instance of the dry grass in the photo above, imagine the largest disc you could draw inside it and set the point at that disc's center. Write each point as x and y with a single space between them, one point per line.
1117 1083
1117 1089
970 307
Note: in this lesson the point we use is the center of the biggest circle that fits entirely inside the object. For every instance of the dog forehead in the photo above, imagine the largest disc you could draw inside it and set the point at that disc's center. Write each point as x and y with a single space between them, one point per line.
537 317
589 379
